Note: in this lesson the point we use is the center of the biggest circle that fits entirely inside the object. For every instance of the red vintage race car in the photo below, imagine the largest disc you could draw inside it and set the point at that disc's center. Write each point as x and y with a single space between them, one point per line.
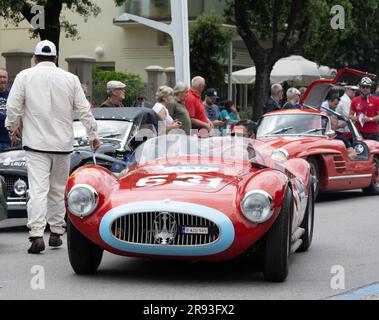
306 133
199 199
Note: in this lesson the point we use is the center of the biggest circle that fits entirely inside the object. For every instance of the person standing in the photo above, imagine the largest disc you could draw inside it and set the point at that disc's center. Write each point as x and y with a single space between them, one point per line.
178 110
115 94
164 97
364 110
212 110
343 107
273 103
5 141
293 99
141 102
195 106
44 98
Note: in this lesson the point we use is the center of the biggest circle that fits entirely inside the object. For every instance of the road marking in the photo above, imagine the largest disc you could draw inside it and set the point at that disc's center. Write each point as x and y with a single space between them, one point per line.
360 293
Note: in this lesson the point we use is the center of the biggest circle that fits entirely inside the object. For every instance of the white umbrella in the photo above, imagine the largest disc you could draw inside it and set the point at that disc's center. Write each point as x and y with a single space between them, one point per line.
295 69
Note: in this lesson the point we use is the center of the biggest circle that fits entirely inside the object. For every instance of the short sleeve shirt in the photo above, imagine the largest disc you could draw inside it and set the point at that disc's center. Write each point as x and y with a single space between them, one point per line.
195 106
369 106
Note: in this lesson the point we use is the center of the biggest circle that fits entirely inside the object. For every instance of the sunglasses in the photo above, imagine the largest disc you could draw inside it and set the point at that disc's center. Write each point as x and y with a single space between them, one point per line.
140 98
365 87
238 134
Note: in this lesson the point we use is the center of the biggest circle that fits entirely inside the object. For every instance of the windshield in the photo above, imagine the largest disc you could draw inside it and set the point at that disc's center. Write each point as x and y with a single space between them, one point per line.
107 129
181 149
293 124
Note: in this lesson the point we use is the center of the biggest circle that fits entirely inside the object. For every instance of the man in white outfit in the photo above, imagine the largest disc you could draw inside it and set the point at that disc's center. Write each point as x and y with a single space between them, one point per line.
344 104
43 100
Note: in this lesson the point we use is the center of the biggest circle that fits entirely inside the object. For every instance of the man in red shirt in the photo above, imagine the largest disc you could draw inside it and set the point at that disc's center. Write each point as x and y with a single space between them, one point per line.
364 110
195 106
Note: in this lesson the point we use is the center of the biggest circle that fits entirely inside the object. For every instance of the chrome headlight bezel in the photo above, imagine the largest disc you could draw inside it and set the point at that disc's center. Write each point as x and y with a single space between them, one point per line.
269 206
280 155
20 184
93 199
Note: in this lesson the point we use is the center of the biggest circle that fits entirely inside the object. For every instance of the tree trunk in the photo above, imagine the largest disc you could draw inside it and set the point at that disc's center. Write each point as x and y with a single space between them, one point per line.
261 88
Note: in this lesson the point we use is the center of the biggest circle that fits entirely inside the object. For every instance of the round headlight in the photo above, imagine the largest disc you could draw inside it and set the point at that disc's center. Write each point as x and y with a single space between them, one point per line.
82 200
280 155
20 187
257 206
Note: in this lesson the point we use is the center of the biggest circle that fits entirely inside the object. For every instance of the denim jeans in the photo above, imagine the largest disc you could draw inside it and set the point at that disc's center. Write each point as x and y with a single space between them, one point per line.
4 145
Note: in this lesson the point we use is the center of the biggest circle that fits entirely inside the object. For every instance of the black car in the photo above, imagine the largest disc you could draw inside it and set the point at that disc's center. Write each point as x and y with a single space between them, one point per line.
121 130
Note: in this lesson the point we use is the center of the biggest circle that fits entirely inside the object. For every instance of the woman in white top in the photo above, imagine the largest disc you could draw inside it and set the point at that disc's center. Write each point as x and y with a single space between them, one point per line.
164 97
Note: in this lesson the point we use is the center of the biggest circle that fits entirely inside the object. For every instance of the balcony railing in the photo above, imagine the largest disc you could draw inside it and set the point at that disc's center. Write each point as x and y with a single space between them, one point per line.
161 9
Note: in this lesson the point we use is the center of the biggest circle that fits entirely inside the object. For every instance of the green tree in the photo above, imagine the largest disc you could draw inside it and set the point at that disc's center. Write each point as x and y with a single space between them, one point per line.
273 29
356 45
15 11
209 43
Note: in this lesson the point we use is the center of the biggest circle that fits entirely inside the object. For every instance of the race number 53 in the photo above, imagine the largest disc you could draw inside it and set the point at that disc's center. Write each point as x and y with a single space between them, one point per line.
186 180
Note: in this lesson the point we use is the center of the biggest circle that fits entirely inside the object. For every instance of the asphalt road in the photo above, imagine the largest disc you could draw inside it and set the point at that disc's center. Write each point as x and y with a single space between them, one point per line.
346 242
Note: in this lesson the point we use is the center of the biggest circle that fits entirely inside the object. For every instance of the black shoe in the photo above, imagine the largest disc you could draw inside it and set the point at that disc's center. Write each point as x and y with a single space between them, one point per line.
55 240
37 246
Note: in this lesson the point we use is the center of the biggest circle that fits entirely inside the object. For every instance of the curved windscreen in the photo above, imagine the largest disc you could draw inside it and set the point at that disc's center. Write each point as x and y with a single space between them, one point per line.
111 129
182 148
293 124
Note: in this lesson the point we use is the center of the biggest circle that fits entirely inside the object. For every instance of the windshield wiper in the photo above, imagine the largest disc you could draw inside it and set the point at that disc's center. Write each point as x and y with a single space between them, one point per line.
312 130
280 130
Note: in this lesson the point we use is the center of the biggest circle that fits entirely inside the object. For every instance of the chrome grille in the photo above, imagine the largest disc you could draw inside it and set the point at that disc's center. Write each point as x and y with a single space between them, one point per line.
10 181
139 228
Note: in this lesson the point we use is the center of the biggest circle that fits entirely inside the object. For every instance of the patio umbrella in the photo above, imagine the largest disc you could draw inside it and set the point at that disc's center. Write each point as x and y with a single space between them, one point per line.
295 69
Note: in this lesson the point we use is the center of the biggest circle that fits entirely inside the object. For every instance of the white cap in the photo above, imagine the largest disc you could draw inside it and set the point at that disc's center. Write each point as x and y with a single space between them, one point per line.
115 85
352 87
45 48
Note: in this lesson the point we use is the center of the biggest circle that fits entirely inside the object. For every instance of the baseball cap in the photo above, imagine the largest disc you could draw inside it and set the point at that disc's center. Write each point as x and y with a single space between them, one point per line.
211 92
45 48
115 85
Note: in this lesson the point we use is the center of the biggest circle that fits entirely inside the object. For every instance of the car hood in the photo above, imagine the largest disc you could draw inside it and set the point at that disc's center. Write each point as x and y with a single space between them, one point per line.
292 144
12 159
189 178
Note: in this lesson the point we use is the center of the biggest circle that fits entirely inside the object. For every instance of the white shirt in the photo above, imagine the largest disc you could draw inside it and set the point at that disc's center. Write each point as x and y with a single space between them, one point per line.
344 109
45 98
158 108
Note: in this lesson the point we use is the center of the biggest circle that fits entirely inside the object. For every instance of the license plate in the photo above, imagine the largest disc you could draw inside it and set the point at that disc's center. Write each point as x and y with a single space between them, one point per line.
194 230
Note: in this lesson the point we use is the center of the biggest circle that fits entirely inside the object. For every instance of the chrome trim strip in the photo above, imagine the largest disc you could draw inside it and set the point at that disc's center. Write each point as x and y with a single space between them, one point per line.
357 176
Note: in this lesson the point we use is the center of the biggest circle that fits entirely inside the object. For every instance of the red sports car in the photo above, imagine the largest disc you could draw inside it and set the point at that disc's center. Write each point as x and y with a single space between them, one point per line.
306 133
199 199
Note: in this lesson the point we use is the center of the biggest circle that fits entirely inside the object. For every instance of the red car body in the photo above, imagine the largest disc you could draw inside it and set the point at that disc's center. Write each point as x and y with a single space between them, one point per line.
328 157
205 195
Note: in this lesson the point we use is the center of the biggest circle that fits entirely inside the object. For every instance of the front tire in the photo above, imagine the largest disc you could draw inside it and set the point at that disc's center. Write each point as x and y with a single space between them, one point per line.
278 243
85 256
315 173
373 189
308 221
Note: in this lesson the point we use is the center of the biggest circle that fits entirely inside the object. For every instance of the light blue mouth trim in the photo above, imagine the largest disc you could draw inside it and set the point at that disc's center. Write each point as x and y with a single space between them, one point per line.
225 225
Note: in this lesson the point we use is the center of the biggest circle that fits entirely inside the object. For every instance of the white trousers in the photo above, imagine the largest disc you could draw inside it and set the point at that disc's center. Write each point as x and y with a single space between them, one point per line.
47 174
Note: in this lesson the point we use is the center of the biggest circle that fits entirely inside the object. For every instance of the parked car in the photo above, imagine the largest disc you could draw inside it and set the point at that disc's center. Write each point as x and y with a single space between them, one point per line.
198 199
306 133
118 129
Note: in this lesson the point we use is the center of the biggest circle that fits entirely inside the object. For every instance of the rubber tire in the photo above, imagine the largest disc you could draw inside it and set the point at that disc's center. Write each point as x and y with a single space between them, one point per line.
278 246
85 256
314 166
308 222
372 190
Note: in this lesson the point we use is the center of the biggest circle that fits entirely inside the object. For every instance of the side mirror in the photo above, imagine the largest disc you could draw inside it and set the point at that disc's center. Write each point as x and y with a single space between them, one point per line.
330 134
